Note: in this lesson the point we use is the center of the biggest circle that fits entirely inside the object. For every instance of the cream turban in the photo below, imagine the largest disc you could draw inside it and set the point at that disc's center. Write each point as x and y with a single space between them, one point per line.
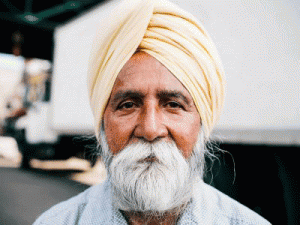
172 36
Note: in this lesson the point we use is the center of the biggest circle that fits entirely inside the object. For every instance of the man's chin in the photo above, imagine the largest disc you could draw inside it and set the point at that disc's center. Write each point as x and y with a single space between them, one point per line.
152 189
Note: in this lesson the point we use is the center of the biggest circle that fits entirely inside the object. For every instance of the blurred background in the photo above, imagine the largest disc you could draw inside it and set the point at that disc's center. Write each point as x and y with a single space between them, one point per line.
47 151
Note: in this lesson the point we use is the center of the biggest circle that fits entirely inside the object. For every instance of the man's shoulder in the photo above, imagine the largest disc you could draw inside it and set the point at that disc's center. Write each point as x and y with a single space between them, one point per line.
73 209
219 207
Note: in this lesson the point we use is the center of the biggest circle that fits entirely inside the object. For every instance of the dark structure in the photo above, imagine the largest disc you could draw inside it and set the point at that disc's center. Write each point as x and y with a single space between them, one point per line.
36 21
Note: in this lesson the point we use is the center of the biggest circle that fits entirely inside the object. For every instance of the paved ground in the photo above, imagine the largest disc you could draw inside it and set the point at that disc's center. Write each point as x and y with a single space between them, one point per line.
25 194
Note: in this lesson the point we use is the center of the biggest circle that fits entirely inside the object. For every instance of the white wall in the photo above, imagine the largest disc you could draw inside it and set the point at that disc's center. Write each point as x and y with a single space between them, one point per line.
258 42
70 107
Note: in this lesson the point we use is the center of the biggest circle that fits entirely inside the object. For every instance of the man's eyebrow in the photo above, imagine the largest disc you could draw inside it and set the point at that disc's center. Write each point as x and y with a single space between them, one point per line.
173 94
126 94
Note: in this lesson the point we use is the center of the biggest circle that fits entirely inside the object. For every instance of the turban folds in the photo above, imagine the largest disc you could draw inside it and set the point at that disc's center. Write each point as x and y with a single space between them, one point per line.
172 36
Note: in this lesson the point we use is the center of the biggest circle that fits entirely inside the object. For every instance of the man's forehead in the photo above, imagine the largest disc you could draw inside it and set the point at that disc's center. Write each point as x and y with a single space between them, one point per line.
142 75
139 58
142 62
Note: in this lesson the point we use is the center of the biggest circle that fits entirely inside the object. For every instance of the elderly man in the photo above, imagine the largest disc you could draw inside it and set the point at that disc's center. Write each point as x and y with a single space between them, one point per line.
156 90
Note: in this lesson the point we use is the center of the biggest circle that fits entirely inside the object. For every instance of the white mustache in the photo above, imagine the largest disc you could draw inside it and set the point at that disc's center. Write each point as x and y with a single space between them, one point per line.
142 152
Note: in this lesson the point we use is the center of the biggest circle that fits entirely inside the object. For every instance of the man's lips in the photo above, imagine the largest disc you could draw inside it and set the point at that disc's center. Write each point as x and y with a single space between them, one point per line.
149 159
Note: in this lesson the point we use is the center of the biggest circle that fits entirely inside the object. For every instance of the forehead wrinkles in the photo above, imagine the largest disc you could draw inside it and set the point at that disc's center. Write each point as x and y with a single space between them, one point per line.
142 62
143 67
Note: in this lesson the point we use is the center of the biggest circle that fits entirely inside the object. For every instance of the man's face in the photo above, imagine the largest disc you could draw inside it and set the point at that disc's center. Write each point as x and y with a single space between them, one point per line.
147 102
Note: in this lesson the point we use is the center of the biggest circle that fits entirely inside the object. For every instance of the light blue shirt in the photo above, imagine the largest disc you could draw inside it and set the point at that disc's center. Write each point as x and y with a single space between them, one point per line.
94 206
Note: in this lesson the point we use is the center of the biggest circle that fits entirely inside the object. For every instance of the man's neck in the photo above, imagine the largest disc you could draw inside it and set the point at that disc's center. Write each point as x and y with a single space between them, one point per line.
139 218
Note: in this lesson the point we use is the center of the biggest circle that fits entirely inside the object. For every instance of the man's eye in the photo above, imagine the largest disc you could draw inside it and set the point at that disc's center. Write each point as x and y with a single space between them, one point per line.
126 105
174 105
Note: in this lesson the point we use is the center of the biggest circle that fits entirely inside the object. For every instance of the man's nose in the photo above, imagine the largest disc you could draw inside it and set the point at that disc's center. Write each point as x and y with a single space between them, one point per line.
150 124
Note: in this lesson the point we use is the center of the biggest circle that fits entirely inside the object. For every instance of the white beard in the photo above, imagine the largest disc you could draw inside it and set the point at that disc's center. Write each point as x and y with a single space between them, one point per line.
159 186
